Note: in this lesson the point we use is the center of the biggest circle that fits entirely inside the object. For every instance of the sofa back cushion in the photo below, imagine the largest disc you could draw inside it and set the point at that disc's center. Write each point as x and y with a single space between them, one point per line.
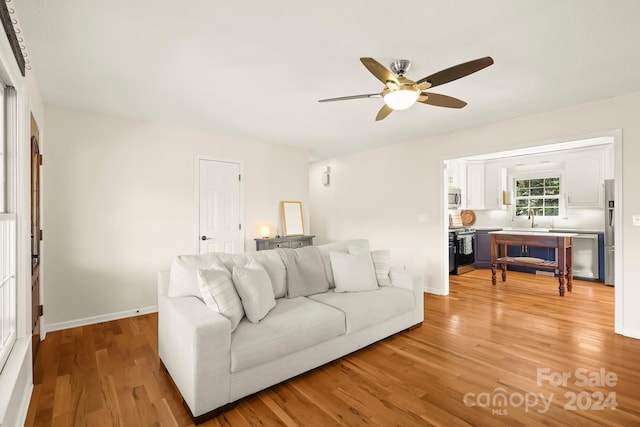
270 260
183 277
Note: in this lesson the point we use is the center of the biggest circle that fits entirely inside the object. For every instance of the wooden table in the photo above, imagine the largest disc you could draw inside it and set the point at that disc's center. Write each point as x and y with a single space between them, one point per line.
563 242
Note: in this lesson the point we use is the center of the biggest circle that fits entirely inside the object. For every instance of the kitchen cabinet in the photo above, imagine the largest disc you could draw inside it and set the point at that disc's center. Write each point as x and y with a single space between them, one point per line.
495 181
475 185
483 248
455 173
485 182
584 177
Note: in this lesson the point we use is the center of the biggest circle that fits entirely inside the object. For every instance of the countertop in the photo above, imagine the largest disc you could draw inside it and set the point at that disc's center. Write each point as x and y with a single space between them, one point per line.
542 230
533 233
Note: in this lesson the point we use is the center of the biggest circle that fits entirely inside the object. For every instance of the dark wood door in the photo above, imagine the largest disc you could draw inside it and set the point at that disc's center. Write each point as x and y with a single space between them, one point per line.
36 237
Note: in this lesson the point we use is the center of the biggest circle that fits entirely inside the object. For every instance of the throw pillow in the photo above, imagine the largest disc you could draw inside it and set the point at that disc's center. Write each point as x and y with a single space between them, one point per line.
382 265
353 272
256 293
220 295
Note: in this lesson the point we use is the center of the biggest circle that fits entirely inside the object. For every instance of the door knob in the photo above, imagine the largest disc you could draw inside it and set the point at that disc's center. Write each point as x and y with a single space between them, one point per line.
205 238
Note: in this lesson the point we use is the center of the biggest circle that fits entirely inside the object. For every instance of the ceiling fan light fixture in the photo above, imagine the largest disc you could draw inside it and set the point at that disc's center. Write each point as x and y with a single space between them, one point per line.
401 99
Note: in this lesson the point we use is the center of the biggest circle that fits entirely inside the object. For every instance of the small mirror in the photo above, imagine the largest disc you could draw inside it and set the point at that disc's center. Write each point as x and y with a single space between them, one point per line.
292 222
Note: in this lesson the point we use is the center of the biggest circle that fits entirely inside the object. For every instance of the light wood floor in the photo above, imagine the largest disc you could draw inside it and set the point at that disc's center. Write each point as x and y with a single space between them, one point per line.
478 344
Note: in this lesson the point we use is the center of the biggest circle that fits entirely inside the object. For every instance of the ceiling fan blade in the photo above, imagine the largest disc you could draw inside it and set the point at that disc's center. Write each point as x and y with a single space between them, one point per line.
384 112
455 72
345 98
379 70
440 100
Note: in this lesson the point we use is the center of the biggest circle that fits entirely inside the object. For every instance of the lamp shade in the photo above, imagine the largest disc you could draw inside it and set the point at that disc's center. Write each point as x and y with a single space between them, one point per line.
401 99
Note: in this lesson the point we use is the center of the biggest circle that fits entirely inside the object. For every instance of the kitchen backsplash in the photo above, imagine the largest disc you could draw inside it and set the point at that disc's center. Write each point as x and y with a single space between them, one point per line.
587 219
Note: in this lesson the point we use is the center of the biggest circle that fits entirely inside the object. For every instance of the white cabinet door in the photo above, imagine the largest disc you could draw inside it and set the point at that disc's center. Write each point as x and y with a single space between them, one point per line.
475 186
584 180
494 183
454 173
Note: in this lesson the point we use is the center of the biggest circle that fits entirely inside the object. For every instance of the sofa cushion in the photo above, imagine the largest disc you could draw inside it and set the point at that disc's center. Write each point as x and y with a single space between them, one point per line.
183 277
364 309
254 287
294 324
232 260
353 272
271 261
382 264
219 293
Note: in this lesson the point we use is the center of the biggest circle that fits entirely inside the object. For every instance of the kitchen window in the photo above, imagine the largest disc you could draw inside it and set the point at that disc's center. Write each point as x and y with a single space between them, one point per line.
540 194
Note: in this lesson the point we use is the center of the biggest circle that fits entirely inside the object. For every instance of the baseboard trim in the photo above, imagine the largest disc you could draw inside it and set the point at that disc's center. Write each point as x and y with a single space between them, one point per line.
98 319
434 291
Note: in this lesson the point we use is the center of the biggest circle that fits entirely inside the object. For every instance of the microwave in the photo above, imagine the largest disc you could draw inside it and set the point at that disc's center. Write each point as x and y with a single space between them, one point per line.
454 198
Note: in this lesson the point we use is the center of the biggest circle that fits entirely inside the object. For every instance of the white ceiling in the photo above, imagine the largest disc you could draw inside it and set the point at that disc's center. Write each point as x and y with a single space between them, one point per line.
255 69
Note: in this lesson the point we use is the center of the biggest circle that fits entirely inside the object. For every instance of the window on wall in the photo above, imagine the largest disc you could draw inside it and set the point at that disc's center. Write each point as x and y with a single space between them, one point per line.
3 155
7 237
541 195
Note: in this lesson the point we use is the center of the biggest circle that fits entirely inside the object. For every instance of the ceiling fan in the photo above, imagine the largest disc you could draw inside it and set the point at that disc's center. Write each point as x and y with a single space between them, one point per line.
400 93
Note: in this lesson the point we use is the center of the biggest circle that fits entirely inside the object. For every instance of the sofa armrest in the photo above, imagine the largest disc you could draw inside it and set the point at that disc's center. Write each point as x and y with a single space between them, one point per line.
163 282
414 282
194 343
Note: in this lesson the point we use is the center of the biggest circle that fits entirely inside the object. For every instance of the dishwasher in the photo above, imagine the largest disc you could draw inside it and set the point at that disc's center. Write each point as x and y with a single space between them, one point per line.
585 257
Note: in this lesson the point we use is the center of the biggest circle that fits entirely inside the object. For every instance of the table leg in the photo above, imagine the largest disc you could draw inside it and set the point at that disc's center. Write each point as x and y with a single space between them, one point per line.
570 269
504 272
493 273
561 280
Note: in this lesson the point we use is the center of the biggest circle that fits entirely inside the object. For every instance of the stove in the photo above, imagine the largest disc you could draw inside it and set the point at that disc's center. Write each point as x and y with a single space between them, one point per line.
461 249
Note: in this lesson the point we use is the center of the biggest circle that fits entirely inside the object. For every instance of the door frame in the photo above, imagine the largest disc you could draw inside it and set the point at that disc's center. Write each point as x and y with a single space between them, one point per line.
37 334
196 176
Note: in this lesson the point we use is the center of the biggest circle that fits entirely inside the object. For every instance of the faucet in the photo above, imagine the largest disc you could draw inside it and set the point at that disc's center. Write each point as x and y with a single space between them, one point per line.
532 217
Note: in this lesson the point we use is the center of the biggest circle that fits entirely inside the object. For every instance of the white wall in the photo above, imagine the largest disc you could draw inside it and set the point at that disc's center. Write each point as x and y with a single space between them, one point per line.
119 204
393 195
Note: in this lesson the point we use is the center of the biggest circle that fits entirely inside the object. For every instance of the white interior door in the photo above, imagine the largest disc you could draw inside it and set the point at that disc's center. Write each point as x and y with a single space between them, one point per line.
219 207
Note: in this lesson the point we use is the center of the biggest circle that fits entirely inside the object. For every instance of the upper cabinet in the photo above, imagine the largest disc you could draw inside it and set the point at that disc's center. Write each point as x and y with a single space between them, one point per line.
455 173
495 181
485 183
475 185
585 175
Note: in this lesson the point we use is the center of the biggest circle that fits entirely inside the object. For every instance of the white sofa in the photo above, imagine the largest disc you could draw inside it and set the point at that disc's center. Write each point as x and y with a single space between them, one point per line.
213 367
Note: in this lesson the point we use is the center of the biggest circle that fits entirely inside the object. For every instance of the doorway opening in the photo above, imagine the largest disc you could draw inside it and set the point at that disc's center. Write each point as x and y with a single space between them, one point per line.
498 206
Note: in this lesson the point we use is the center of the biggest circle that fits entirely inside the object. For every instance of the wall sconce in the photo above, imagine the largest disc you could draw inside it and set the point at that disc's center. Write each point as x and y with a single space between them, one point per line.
326 176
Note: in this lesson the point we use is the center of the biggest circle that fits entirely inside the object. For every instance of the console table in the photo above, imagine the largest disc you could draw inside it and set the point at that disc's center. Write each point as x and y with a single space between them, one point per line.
283 242
563 242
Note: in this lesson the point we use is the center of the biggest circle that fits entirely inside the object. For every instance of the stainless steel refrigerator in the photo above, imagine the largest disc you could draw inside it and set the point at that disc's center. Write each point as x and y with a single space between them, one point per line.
609 242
